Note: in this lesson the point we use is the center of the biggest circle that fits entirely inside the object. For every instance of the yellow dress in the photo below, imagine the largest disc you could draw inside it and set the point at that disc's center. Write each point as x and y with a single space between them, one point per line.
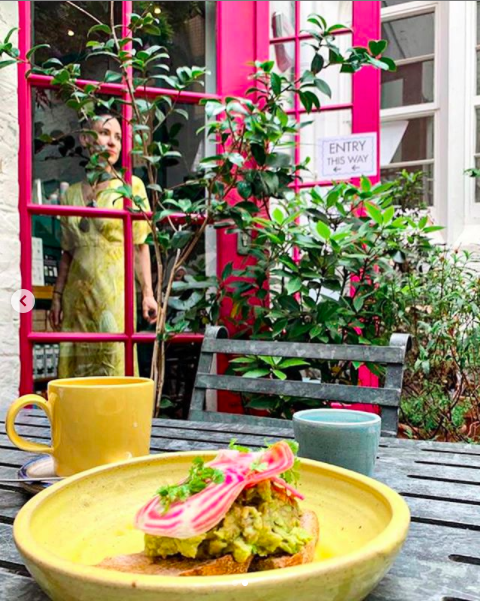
94 294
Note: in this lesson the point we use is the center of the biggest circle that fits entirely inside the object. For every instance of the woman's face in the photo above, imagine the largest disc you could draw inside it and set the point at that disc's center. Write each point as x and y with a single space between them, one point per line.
109 137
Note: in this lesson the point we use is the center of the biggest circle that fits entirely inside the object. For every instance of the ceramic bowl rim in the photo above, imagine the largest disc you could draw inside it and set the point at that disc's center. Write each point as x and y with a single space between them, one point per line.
389 540
302 417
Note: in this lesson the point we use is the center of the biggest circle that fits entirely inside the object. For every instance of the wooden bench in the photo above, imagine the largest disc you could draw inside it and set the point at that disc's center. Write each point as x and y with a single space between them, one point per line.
216 342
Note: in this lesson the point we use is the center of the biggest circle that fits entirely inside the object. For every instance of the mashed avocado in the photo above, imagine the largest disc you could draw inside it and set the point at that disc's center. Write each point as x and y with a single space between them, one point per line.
263 521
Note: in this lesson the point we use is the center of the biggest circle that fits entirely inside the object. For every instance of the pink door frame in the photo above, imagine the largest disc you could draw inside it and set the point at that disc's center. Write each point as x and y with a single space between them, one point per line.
243 35
250 22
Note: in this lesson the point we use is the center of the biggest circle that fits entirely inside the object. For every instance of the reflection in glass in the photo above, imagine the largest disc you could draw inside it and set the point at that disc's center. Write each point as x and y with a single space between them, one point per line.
78 274
412 45
332 12
282 19
416 143
47 361
411 37
188 142
426 197
340 83
386 3
321 125
412 83
60 150
189 303
65 29
187 31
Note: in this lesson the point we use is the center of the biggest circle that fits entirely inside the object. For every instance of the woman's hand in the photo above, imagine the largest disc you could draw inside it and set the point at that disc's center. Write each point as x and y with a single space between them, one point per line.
150 309
56 313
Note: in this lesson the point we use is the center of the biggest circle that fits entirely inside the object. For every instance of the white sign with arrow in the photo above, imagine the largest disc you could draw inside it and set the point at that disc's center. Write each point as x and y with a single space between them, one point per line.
347 156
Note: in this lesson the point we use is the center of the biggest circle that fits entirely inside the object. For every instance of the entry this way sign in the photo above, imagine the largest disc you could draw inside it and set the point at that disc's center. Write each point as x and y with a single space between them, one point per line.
347 156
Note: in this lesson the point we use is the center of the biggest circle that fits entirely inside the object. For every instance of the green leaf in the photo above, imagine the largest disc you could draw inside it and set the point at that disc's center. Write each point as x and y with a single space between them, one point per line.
388 215
374 213
276 84
390 63
257 373
293 363
317 63
358 303
227 272
278 216
32 51
99 28
323 87
112 77
244 189
6 63
259 153
294 285
377 48
279 374
323 230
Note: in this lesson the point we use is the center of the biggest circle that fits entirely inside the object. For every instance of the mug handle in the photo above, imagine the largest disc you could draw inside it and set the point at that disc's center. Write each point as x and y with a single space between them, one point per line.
14 410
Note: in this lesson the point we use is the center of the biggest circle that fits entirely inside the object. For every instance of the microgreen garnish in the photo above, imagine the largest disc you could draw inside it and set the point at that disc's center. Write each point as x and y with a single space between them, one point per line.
198 479
233 446
258 466
291 476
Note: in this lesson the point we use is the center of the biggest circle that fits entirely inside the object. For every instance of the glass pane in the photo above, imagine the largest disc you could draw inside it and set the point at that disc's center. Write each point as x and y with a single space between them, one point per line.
61 152
411 37
478 22
190 144
386 3
45 366
412 83
282 19
405 141
68 359
477 181
340 83
187 31
78 274
191 303
332 12
180 370
284 56
65 28
411 44
478 73
321 125
424 198
478 131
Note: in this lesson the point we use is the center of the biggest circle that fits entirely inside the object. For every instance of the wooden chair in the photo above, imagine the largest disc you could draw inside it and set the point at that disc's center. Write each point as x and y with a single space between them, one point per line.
216 342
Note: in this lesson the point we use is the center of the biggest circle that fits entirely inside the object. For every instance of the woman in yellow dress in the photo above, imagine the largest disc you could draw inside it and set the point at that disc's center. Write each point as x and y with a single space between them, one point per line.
89 294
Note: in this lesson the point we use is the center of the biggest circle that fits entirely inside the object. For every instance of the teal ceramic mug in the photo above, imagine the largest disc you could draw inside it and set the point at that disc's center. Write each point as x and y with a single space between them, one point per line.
341 437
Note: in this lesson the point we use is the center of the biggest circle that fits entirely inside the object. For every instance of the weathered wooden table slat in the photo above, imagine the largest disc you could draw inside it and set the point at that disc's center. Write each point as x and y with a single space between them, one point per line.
440 482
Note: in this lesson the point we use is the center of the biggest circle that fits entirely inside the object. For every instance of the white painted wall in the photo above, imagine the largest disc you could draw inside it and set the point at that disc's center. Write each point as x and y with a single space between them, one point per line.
10 280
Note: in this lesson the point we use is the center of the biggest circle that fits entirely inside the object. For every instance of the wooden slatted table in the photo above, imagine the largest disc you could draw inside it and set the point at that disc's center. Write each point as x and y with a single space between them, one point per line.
440 482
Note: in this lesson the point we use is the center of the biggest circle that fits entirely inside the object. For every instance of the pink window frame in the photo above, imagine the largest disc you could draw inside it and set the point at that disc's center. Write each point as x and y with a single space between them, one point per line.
28 338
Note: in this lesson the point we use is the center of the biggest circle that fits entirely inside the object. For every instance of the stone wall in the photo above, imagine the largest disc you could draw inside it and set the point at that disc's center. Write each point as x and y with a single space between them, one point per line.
10 280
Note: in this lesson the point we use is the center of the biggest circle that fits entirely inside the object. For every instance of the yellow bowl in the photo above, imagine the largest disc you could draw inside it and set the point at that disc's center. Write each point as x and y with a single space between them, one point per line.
64 531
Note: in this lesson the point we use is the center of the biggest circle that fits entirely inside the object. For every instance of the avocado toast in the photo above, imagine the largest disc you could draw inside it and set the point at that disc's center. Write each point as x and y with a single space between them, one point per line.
235 514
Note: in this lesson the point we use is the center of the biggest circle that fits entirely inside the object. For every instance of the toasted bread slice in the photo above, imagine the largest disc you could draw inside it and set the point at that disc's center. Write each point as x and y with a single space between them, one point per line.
309 522
139 563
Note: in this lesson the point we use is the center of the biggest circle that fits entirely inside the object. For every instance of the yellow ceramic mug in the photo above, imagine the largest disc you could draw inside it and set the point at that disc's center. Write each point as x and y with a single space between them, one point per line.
94 421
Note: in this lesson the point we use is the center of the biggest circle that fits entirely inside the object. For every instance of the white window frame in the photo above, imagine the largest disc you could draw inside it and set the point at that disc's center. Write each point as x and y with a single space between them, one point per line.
431 109
471 107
